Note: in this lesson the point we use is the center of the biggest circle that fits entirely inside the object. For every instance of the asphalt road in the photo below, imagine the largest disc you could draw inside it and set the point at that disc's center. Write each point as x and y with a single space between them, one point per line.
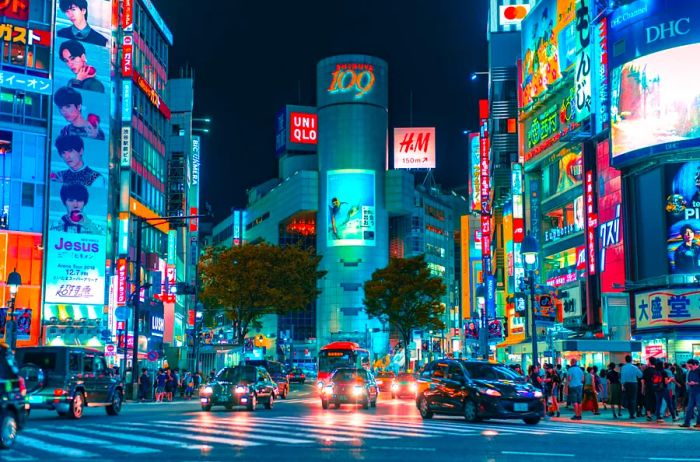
298 429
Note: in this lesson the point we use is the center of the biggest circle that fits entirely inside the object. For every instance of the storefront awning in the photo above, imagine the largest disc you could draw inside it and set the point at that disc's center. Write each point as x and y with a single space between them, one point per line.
608 346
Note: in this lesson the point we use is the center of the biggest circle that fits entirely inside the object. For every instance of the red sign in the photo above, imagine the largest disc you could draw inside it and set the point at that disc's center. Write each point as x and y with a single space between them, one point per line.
610 233
303 128
518 230
194 222
128 15
110 350
121 282
656 351
153 95
485 236
16 9
190 317
127 54
580 258
557 281
591 223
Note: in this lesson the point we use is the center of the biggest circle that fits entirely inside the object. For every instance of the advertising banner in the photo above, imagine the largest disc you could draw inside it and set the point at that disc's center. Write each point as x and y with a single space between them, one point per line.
476 171
351 208
683 217
667 308
354 79
549 44
75 237
655 98
296 129
414 147
611 246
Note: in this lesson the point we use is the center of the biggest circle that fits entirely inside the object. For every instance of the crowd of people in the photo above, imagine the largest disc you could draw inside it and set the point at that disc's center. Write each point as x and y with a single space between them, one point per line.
656 391
168 384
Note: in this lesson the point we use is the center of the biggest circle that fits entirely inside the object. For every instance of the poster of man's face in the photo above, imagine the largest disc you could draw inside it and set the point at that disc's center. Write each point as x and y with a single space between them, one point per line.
683 217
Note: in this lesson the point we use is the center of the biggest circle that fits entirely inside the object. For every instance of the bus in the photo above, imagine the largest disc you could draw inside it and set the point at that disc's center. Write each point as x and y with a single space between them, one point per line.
340 354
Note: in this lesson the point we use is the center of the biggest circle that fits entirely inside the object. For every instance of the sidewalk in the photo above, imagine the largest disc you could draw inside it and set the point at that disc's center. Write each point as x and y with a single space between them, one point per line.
606 418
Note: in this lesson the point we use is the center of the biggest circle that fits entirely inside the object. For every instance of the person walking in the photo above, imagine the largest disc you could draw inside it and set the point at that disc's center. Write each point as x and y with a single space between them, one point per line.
144 385
161 380
648 389
575 378
603 388
629 374
692 393
612 377
661 392
552 385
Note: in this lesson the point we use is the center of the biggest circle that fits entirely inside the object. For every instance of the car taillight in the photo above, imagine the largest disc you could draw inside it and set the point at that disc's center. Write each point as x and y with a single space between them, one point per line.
302 376
22 387
59 392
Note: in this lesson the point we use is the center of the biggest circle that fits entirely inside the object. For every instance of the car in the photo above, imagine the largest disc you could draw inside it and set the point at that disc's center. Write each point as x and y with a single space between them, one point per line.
13 403
239 386
67 379
404 386
478 390
385 380
350 386
278 374
296 375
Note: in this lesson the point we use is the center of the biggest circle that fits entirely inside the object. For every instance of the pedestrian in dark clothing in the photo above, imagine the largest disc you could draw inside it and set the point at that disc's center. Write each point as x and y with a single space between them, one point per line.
661 392
144 385
648 388
692 393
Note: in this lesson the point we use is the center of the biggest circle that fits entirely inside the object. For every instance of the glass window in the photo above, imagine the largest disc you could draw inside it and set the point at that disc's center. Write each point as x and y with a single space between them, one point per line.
563 222
74 365
89 364
27 194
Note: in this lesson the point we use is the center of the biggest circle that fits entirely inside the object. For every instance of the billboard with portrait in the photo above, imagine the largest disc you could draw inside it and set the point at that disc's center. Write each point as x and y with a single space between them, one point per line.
77 223
351 208
683 217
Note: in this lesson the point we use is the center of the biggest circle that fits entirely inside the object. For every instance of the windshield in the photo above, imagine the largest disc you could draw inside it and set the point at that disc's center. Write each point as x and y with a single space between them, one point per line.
237 374
333 359
349 375
406 376
490 372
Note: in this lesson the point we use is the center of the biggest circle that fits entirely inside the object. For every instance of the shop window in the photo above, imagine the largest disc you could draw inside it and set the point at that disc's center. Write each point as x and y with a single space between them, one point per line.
563 222
561 268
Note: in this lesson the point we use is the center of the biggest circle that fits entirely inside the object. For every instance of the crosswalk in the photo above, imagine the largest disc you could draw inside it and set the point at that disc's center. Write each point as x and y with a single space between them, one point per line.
198 433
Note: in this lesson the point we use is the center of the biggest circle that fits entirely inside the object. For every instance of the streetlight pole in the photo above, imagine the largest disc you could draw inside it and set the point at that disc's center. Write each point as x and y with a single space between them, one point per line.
530 250
14 280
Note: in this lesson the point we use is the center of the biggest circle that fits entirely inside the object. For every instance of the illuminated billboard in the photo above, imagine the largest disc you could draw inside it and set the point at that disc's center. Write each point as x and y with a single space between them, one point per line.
414 147
77 216
611 246
351 208
656 103
474 152
683 217
352 79
667 308
296 129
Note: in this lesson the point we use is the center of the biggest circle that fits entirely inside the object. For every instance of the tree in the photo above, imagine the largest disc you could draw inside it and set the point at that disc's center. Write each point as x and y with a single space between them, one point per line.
250 281
407 296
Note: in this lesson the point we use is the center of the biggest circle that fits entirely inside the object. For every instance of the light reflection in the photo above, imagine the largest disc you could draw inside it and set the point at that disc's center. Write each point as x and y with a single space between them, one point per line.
489 433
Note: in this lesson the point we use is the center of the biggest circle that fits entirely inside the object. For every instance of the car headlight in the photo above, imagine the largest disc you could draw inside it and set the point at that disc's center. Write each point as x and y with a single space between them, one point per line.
394 386
357 390
489 392
328 389
240 389
207 391
538 394
319 385
414 387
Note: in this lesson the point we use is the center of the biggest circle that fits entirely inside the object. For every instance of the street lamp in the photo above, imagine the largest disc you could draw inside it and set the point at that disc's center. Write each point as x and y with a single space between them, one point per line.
14 280
475 75
484 323
529 250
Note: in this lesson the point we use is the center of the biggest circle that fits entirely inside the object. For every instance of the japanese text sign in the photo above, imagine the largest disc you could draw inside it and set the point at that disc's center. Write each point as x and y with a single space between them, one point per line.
667 307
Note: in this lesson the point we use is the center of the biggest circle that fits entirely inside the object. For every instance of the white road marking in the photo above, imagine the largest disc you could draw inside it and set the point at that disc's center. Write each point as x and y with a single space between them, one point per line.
74 438
203 438
35 444
536 454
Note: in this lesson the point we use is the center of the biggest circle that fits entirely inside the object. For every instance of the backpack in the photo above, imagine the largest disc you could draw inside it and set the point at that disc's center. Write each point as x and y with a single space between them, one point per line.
658 381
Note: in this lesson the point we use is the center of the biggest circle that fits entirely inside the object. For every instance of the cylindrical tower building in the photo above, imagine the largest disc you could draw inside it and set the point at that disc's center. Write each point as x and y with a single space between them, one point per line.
352 98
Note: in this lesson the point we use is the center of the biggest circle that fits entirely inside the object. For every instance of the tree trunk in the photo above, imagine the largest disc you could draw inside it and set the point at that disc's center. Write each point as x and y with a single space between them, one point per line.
406 353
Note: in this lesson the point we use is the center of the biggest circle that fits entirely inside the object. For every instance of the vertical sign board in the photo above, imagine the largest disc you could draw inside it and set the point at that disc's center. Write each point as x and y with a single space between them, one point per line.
583 68
121 282
77 223
475 163
591 224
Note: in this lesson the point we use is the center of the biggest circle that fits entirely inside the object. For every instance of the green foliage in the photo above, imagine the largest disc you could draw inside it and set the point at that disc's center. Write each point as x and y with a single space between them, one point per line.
407 296
250 281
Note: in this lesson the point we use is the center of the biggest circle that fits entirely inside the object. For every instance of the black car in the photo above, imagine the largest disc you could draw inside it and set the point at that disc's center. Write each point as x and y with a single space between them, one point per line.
477 390
296 375
13 405
350 386
278 373
242 385
66 379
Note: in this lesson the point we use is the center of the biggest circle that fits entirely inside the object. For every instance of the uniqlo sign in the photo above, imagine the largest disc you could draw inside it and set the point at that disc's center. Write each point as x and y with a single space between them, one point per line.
303 128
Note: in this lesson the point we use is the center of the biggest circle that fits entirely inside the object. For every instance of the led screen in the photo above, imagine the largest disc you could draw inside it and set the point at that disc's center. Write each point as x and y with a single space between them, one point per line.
351 208
683 217
656 103
76 243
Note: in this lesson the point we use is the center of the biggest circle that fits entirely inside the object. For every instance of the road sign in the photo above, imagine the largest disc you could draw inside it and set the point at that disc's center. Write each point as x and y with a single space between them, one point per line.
110 350
152 356
121 313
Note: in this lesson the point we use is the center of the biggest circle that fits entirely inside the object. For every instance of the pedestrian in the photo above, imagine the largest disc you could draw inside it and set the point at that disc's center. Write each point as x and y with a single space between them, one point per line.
648 389
590 391
603 388
681 394
161 380
692 393
533 374
612 377
188 385
629 374
169 385
144 385
575 378
562 379
662 394
552 384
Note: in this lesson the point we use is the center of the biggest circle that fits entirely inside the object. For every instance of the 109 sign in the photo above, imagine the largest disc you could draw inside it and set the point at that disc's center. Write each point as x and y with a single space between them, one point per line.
358 78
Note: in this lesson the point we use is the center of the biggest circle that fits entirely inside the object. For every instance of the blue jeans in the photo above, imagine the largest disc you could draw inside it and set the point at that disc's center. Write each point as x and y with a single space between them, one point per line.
661 396
693 400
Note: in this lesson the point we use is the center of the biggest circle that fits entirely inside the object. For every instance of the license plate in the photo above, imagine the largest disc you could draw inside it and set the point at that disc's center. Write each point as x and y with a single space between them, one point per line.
520 407
36 399
342 398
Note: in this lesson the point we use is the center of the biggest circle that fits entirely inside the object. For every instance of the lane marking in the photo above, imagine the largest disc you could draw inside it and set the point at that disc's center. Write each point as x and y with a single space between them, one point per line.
203 438
538 454
142 439
73 438
252 426
33 443
213 428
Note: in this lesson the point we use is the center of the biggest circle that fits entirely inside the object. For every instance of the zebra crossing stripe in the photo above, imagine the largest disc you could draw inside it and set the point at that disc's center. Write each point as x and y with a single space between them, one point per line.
73 438
201 438
35 444
142 439
326 435
378 427
213 428
379 434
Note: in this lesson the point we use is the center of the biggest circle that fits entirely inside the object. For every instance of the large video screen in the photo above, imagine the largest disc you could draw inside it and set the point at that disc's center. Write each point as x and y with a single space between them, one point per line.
79 160
656 103
683 217
351 208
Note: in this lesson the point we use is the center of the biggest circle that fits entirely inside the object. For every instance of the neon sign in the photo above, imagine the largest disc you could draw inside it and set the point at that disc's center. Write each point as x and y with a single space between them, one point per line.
152 94
16 9
352 77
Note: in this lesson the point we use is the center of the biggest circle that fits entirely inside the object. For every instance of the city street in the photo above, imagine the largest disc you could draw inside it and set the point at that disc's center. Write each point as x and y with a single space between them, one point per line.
298 429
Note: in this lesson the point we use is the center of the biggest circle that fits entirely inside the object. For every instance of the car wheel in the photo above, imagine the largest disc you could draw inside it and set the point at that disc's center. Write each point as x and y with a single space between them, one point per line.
286 392
532 420
116 406
366 403
424 408
270 402
470 413
8 429
324 404
77 405
206 407
336 405
252 403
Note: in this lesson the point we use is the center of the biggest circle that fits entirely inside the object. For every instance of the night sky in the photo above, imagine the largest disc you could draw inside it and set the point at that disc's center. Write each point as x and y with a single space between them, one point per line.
251 57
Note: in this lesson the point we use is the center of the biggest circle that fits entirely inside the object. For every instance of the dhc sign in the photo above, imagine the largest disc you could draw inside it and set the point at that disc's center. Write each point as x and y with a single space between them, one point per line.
668 29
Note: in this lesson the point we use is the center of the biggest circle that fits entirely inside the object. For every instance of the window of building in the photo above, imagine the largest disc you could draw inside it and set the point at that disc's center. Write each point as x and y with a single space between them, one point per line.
27 194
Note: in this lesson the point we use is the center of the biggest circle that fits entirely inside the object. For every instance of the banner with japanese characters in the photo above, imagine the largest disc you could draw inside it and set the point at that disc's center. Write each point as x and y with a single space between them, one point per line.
667 307
77 226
